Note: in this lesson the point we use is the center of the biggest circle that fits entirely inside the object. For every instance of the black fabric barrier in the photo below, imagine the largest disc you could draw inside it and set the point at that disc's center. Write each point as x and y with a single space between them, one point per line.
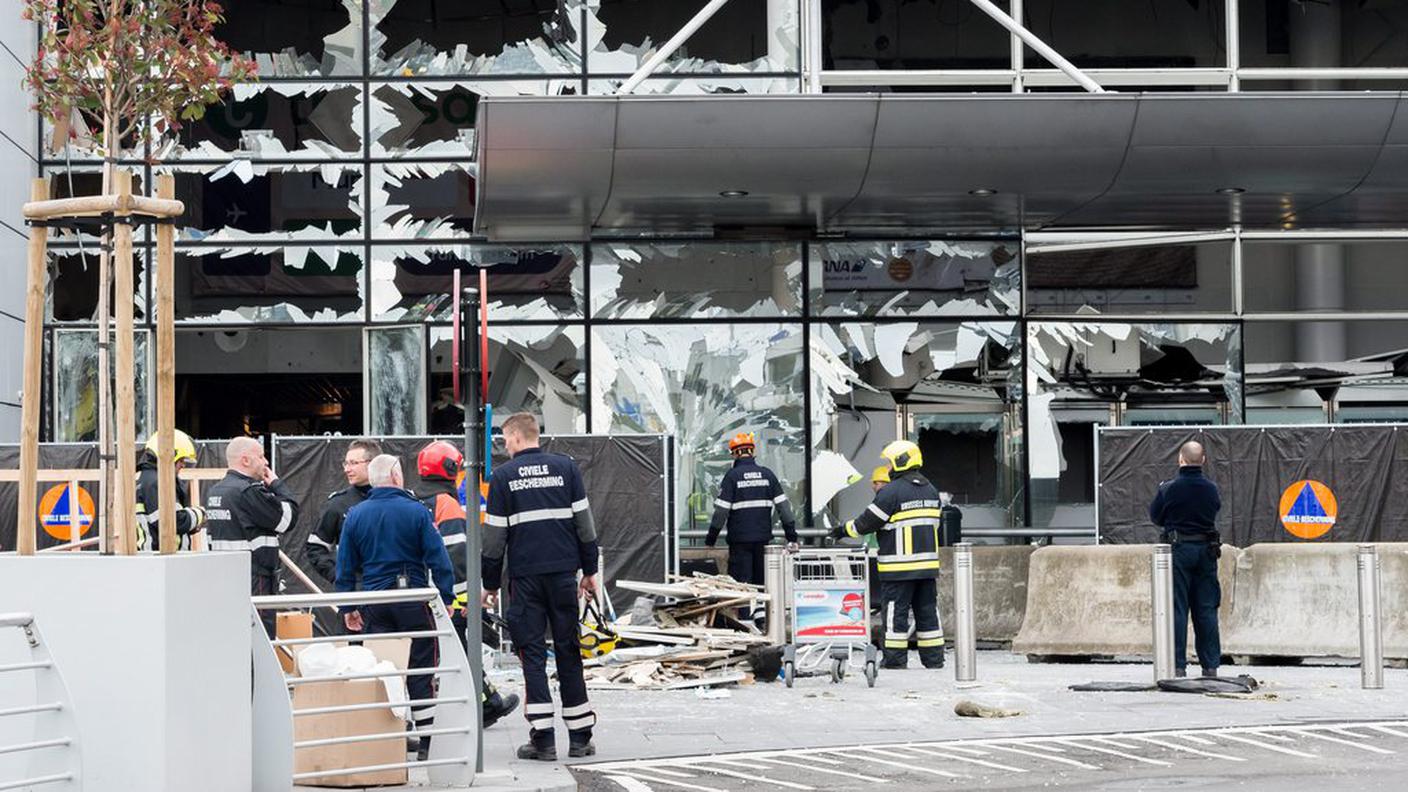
1365 466
624 474
66 456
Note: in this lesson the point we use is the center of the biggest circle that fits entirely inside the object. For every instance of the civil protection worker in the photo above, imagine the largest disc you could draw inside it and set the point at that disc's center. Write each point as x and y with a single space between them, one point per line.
438 465
905 517
189 519
323 539
1186 508
539 519
747 498
248 511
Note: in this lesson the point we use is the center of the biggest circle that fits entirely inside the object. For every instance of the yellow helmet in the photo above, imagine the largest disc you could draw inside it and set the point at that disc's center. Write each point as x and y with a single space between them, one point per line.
902 455
880 474
181 443
594 635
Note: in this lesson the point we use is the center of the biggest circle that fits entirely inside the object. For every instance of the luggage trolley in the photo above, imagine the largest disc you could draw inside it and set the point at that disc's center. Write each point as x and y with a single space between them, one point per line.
828 608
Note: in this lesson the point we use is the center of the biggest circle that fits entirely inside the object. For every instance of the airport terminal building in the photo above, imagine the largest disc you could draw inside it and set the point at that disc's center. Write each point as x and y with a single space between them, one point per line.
990 229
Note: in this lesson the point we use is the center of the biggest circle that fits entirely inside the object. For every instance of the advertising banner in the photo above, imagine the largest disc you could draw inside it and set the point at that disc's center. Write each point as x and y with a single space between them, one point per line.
830 614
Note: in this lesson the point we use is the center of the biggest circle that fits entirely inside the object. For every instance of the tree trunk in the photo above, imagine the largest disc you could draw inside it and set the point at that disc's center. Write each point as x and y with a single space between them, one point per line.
107 538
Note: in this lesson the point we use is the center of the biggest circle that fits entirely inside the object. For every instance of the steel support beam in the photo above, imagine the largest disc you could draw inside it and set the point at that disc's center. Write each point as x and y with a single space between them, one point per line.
661 55
1042 48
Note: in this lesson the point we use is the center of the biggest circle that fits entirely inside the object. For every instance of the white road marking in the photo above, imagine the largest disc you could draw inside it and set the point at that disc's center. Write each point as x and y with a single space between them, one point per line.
963 749
638 776
668 772
1048 757
1121 754
1342 741
701 766
1185 749
954 758
1387 730
1117 742
828 771
902 765
1267 746
1270 735
630 784
1195 739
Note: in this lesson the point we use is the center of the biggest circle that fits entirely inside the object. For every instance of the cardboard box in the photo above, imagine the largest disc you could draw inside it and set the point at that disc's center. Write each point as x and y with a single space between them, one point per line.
347 724
291 624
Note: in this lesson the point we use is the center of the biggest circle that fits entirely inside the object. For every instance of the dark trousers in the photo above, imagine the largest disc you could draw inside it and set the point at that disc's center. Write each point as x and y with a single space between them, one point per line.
460 620
1196 590
537 605
745 564
410 617
921 596
264 582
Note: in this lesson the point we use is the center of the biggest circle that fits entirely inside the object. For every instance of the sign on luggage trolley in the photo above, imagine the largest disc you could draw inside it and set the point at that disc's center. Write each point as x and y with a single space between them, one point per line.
829 614
829 602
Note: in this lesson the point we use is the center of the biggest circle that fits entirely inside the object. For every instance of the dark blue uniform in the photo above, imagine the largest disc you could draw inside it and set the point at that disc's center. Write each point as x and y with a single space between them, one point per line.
539 519
747 497
1186 508
389 541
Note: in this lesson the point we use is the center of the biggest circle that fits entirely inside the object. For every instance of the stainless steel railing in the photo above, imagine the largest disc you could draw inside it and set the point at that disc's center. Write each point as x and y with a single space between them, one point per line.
51 753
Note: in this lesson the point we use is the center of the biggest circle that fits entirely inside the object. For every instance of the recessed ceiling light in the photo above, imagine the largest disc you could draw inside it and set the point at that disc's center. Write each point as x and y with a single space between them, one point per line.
1231 190
982 192
734 193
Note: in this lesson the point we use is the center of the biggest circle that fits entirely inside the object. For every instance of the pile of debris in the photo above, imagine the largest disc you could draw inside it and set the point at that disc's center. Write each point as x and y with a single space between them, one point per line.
683 634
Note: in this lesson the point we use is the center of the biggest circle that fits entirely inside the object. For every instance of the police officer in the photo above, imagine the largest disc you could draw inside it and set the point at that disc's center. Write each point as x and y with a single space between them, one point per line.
390 542
905 514
322 541
189 519
538 517
439 465
1186 508
747 497
248 511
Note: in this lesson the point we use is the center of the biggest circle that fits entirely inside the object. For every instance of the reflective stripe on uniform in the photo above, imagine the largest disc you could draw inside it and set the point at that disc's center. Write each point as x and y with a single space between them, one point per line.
541 708
314 539
780 499
909 514
538 515
918 522
722 504
580 505
454 539
585 722
224 545
577 711
879 512
905 557
910 566
496 521
907 538
287 519
851 530
751 504
925 643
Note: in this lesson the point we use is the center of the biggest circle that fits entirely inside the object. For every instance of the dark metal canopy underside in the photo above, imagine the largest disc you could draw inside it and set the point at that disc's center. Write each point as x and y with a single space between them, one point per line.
570 168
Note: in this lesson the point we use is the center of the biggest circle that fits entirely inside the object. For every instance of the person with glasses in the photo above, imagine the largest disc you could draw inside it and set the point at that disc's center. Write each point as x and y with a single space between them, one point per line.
322 540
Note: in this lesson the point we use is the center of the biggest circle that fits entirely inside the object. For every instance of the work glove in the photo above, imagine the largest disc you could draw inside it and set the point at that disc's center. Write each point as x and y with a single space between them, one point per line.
838 532
793 547
710 542
197 518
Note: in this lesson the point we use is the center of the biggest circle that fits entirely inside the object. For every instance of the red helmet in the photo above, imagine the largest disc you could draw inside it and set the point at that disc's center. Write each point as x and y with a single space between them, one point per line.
439 460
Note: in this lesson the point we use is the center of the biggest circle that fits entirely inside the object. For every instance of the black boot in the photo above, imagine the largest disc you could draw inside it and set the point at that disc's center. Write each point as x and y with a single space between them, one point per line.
423 752
580 748
538 753
497 706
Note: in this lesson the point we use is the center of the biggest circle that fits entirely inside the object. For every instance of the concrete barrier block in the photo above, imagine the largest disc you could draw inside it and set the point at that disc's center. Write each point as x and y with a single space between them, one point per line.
1096 601
999 591
1302 600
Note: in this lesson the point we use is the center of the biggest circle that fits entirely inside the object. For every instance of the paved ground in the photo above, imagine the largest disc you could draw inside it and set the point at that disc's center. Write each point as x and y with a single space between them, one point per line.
1315 729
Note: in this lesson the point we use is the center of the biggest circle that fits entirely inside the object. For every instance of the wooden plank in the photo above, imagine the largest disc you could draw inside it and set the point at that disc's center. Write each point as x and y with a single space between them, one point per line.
32 393
93 474
124 502
95 205
166 371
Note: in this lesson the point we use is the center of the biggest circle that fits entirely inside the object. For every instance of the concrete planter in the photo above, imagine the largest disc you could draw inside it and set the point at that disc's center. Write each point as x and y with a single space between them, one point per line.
156 654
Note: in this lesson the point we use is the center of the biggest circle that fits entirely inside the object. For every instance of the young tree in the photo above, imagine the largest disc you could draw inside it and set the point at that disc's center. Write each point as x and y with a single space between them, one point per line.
134 71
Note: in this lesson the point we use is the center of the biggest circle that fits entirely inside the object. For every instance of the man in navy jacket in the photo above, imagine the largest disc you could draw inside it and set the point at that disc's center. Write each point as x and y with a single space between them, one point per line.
1186 508
390 542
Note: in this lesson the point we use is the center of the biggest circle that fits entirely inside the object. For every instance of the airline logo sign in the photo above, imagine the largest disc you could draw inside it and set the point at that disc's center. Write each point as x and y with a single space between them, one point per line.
1308 509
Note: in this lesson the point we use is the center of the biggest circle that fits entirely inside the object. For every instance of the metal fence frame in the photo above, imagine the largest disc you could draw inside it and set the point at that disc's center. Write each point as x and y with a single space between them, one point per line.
55 726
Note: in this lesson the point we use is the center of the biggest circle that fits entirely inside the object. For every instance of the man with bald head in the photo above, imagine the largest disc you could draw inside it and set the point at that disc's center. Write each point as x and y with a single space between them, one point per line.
1185 509
247 512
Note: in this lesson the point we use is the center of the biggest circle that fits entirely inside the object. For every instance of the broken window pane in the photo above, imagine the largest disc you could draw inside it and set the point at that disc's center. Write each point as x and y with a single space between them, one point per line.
1363 381
759 36
1087 374
276 282
695 279
75 390
414 38
80 181
413 282
277 120
293 205
73 283
396 380
954 388
1173 279
703 383
911 34
916 278
699 84
436 119
538 368
422 201
296 38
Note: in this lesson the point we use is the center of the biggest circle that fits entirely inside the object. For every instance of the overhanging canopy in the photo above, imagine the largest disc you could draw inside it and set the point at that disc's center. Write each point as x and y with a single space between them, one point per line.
569 168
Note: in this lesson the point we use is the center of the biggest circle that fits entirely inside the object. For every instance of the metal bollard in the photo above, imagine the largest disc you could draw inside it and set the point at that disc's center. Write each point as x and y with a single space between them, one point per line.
1161 581
774 586
965 652
1371 649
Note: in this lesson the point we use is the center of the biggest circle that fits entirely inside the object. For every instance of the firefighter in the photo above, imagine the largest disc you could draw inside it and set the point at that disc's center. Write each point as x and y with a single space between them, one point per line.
905 514
539 519
247 511
747 497
189 519
322 540
439 465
